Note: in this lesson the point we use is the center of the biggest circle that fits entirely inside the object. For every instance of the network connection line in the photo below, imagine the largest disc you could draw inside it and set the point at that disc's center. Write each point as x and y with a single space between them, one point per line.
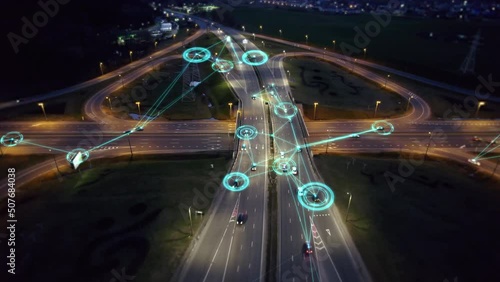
43 146
485 150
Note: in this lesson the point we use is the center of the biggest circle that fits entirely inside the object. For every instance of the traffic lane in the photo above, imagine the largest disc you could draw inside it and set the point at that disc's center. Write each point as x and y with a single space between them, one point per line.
207 259
63 144
155 126
315 127
405 141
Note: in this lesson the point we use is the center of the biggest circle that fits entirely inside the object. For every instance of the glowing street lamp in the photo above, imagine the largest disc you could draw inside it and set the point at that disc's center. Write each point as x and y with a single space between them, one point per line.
156 44
333 41
253 36
109 101
307 39
315 106
364 51
376 108
263 43
288 73
260 28
385 83
43 110
428 143
230 109
281 33
348 205
479 105
324 51
100 66
130 53
243 27
408 103
138 106
174 35
121 79
353 65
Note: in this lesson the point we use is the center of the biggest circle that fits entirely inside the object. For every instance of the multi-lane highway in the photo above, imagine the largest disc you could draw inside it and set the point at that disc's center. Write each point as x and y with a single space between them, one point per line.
224 250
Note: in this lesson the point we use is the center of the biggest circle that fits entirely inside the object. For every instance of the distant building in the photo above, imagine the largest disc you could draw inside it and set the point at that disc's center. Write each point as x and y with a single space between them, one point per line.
165 27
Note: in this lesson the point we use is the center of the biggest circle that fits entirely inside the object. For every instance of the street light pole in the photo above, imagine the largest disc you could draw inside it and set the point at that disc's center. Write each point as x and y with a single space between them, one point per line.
385 83
307 39
315 105
260 29
376 108
364 51
55 162
190 220
408 104
230 110
109 101
121 79
348 205
130 146
253 36
333 45
100 66
353 65
495 169
479 105
138 106
130 53
428 144
281 33
43 110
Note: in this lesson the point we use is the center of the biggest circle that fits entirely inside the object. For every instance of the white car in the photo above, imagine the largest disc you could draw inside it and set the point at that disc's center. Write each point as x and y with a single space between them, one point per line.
354 136
380 128
301 191
474 162
244 147
282 155
294 170
254 167
285 168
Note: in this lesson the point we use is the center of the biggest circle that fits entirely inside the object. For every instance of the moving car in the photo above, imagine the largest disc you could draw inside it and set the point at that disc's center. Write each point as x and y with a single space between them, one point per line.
299 149
285 168
254 167
380 128
254 97
235 183
315 198
282 155
294 170
307 249
354 136
244 147
139 128
301 191
476 139
474 162
242 217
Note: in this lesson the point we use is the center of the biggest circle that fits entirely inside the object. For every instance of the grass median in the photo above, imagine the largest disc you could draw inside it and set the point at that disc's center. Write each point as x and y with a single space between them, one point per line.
439 223
120 214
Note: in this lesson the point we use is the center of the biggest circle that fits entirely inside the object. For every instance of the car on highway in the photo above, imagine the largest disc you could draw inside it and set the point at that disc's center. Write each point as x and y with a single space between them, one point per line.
380 128
254 97
139 128
254 167
315 198
294 170
307 249
300 191
299 149
476 139
474 162
282 155
242 217
235 183
244 147
494 141
285 168
127 131
354 136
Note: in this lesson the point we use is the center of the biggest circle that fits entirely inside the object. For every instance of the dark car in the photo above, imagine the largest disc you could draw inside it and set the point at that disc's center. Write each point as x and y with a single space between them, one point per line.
315 198
242 217
307 249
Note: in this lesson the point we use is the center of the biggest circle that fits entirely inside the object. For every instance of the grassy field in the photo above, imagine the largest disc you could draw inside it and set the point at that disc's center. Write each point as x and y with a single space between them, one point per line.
340 94
19 162
438 224
404 43
441 101
116 215
148 89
